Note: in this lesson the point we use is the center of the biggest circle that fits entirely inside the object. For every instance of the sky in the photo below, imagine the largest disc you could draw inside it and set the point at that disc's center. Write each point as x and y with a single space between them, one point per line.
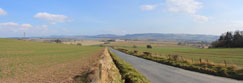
92 17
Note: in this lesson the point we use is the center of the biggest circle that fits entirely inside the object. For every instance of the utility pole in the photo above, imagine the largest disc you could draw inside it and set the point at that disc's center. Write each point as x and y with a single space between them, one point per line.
24 35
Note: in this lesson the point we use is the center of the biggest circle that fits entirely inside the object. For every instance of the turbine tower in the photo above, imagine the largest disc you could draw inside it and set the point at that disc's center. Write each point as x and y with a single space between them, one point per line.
24 35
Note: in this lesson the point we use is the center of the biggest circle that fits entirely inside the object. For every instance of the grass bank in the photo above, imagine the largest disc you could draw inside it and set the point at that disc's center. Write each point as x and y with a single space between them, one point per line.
203 66
129 74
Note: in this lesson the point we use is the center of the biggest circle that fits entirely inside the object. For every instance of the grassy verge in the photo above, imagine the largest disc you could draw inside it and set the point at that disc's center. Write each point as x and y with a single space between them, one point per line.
129 74
203 66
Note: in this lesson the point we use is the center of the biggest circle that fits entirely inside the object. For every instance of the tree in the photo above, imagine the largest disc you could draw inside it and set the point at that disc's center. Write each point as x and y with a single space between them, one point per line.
228 40
238 39
149 46
58 41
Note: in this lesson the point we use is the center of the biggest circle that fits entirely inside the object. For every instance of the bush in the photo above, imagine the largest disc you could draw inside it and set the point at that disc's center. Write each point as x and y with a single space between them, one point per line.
101 45
79 44
174 57
58 41
149 46
135 51
147 53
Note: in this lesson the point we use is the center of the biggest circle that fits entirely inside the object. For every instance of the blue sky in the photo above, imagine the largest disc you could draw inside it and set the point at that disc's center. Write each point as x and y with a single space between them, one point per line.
92 17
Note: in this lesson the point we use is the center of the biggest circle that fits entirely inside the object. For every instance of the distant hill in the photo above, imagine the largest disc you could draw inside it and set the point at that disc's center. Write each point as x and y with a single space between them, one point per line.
106 36
144 36
160 36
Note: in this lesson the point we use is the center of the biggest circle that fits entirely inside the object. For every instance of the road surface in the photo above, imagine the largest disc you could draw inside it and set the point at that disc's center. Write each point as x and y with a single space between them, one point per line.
160 73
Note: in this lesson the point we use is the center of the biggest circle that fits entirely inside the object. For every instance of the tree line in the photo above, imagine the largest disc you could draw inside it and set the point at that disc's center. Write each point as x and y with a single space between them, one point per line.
229 40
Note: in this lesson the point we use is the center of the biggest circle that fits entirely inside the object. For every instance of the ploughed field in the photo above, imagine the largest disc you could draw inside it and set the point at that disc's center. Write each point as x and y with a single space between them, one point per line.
26 61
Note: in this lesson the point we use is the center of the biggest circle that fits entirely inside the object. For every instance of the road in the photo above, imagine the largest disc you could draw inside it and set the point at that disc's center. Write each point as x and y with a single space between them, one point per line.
160 73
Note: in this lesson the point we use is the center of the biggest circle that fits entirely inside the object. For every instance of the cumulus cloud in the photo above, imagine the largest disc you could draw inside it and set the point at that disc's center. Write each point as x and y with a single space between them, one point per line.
2 12
148 7
183 6
187 7
235 24
15 26
42 27
52 18
200 19
25 26
12 26
8 24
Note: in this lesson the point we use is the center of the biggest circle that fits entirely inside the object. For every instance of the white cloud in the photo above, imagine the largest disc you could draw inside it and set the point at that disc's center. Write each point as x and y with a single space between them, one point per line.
148 7
8 24
2 12
12 26
200 19
187 7
42 27
15 29
183 6
235 24
52 18
16 26
26 26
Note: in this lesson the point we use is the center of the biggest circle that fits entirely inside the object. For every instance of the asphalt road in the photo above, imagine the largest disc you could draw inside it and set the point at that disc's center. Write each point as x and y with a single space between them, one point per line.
160 73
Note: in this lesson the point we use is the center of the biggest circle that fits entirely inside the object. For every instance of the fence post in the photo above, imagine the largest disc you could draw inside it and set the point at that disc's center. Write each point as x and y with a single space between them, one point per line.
182 58
207 62
225 63
192 60
200 60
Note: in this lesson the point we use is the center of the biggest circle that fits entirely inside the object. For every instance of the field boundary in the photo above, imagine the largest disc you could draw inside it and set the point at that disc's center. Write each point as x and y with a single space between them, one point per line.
202 67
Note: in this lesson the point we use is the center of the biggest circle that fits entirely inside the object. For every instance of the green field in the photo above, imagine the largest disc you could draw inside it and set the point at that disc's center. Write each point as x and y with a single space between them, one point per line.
19 57
231 55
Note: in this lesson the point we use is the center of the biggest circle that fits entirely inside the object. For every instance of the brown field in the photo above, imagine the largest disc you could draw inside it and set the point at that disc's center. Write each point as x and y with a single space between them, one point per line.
167 44
85 42
25 61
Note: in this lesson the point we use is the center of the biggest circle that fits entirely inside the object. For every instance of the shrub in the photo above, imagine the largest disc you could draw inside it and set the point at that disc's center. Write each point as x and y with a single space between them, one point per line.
79 44
135 51
58 41
174 57
149 46
101 45
147 53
